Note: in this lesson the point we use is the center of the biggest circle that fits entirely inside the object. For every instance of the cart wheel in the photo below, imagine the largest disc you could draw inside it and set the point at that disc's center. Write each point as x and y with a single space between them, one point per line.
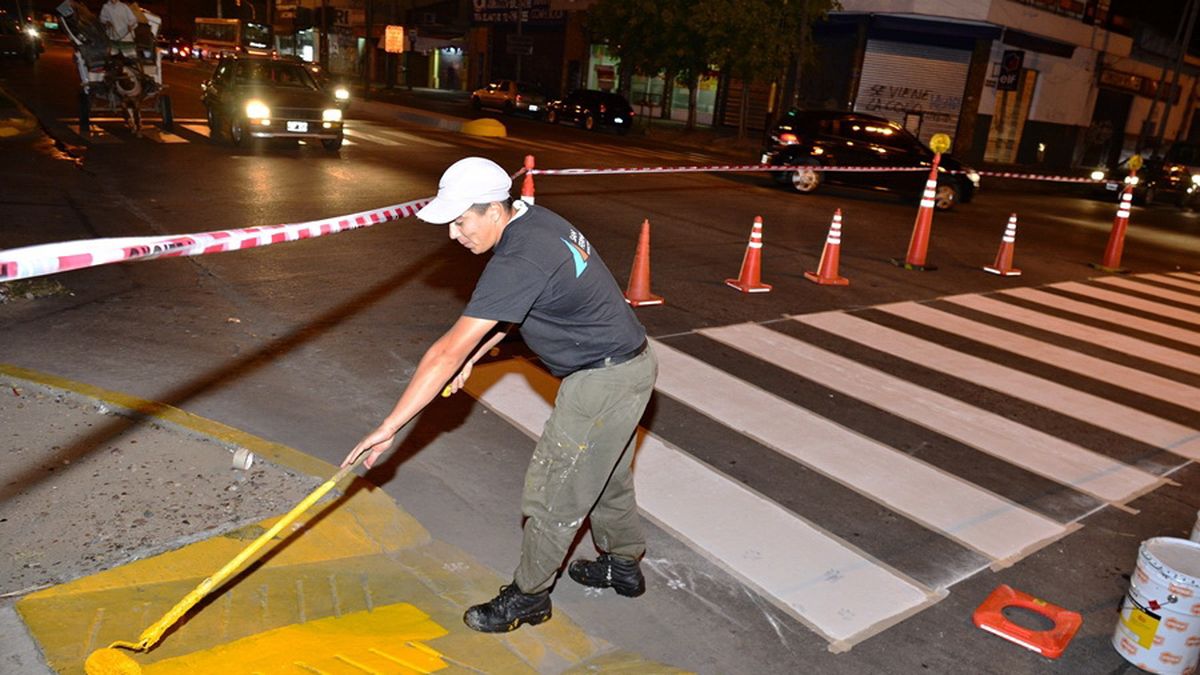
168 116
85 113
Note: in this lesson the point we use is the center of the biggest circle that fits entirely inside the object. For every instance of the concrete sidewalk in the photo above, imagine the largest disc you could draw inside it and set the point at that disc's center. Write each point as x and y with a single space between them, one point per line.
115 508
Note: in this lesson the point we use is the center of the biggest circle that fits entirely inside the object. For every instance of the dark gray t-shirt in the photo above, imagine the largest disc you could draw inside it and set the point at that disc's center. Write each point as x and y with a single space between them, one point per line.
545 276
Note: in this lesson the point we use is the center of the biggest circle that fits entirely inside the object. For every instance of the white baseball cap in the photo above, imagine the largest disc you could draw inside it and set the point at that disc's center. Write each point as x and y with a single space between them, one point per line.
469 181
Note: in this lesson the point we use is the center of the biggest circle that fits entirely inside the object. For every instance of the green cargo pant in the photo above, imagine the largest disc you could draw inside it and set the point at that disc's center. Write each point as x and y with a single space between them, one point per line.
581 466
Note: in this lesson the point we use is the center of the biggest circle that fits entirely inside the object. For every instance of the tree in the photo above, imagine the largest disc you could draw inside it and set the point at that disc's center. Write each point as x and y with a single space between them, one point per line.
633 31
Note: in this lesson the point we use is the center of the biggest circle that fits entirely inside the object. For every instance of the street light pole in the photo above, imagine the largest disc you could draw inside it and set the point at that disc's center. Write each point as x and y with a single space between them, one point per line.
1193 6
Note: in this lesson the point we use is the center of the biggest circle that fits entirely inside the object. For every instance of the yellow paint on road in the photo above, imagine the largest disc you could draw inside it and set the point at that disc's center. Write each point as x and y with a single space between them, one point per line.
386 640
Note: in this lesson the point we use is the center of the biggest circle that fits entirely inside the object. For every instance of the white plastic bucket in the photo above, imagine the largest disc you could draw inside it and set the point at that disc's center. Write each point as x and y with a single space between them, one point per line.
1159 627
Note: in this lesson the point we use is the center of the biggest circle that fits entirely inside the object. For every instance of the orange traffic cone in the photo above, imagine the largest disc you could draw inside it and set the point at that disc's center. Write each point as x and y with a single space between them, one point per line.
1116 236
637 293
527 185
918 244
831 255
1004 257
750 278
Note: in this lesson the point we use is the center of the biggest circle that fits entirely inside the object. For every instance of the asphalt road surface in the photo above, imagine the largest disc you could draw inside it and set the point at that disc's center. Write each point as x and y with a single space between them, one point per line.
823 469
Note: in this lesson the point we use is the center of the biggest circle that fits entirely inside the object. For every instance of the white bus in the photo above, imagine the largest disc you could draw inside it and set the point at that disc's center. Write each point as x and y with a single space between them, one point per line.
216 37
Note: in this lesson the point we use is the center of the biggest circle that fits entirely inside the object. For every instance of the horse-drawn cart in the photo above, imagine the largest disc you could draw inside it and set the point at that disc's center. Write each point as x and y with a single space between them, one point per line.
116 77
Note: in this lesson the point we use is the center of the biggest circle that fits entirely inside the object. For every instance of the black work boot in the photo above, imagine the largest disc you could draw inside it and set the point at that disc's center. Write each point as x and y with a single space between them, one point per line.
624 575
509 610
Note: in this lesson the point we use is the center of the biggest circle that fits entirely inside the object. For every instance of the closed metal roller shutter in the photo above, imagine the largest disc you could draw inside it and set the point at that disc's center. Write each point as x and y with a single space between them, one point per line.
919 86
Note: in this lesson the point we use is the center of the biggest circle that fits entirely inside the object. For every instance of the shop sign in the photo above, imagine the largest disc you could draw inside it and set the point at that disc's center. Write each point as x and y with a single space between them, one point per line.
1010 70
393 40
538 12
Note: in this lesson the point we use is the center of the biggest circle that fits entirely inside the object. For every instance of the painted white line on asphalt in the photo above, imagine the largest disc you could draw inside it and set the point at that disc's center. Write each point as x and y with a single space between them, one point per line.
1192 284
200 129
1105 414
1115 374
160 136
1133 285
1089 310
96 134
405 137
833 588
1128 301
372 138
1028 448
1082 332
1193 277
976 518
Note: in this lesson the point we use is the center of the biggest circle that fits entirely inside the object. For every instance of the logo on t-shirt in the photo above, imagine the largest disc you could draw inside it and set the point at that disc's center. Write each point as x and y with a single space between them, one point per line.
580 251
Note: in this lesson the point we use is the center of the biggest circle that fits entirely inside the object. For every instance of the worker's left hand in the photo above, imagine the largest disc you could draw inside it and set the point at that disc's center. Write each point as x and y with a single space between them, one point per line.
374 444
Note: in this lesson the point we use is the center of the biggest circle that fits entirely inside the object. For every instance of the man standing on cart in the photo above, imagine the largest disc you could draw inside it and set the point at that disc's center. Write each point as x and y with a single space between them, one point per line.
120 23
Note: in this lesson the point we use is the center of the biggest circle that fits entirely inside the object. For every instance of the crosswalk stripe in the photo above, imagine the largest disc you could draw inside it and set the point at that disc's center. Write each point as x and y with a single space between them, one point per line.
373 138
1018 444
1166 330
1172 280
200 129
1106 371
1191 278
160 136
411 138
1127 300
831 587
1166 294
1100 412
978 519
1096 336
96 135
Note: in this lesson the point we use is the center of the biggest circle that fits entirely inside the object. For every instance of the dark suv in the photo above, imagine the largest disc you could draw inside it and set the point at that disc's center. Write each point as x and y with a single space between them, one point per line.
845 139
590 109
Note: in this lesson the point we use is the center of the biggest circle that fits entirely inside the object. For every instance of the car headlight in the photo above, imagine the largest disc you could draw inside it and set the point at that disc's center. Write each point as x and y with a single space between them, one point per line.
33 33
257 109
1097 175
1196 178
1131 180
331 115
341 94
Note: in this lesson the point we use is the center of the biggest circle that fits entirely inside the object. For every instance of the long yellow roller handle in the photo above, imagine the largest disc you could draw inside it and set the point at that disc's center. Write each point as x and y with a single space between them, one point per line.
154 632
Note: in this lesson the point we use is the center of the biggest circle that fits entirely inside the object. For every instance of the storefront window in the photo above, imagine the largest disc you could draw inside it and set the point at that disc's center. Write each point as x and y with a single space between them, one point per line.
647 92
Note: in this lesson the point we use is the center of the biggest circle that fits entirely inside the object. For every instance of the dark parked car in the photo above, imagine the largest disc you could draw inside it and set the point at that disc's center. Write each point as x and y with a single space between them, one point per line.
174 48
261 97
510 97
590 109
833 138
1174 178
19 38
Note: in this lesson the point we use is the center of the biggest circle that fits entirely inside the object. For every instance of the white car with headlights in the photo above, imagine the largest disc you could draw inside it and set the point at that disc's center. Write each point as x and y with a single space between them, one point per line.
263 97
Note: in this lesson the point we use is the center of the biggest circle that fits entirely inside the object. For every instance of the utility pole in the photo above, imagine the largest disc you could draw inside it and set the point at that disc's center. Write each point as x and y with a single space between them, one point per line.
520 24
1193 6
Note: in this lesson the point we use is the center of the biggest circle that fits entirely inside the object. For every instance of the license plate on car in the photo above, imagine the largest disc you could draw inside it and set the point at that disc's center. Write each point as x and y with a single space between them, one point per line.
1111 186
297 126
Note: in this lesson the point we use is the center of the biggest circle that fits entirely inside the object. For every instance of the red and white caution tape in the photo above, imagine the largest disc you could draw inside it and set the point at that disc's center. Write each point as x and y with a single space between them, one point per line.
717 169
43 259
1035 176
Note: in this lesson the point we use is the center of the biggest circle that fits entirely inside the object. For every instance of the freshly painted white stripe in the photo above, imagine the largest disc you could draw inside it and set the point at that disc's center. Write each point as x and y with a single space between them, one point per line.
98 134
972 516
1033 450
201 129
1104 314
1129 301
1174 279
1114 373
1193 277
409 138
1166 294
1082 332
160 136
1135 424
835 589
372 138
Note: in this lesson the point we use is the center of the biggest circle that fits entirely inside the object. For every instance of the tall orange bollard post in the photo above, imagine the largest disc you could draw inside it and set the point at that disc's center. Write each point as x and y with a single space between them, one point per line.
1004 257
750 278
637 293
1116 236
831 255
527 184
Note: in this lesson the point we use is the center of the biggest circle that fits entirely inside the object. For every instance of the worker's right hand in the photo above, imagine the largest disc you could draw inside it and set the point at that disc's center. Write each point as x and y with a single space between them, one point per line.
374 444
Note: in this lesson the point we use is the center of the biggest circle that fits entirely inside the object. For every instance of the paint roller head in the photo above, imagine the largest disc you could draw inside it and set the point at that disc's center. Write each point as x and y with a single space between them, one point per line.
109 661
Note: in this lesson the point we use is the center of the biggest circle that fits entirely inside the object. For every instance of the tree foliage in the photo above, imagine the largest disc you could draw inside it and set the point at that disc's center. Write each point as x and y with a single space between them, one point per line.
753 40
